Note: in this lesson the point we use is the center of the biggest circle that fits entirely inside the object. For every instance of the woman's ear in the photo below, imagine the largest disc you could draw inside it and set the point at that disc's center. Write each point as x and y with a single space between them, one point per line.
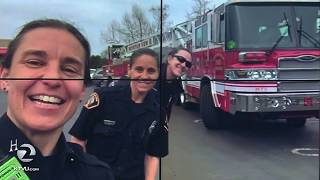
129 71
4 73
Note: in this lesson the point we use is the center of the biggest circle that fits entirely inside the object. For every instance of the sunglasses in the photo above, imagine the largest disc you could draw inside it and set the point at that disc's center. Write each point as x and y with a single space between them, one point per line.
183 60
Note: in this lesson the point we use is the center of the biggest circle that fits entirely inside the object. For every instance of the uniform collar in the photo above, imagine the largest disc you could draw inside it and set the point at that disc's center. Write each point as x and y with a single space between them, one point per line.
9 133
148 103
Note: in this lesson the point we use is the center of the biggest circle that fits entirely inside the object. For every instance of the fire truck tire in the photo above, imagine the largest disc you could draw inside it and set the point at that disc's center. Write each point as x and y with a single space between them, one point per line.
296 122
212 117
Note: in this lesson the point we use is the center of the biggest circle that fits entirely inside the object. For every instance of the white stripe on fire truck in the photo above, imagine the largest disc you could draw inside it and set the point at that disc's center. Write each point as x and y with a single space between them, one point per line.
215 96
249 88
221 87
248 85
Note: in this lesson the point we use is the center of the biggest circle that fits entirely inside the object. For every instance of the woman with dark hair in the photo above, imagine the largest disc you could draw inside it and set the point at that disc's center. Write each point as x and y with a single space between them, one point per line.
43 75
179 60
119 124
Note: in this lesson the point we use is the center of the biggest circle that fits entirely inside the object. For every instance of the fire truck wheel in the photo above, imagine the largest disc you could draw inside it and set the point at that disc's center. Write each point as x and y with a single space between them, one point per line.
296 122
212 117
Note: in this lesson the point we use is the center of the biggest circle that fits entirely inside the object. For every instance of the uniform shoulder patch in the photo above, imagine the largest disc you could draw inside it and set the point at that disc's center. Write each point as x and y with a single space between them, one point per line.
93 101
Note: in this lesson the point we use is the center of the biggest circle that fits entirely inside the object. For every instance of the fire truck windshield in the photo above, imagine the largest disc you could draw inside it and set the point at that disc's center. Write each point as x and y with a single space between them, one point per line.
259 26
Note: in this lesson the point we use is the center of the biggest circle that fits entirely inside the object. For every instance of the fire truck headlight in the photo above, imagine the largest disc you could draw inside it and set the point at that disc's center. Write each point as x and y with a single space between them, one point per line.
252 74
267 75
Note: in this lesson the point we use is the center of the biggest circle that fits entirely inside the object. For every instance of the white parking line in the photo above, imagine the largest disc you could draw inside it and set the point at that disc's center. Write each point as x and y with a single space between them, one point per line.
313 119
306 152
197 121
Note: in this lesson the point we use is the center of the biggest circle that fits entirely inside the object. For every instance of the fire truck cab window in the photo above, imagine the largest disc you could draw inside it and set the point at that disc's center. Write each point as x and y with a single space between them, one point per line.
254 26
308 20
213 35
201 32
204 35
221 36
198 37
198 33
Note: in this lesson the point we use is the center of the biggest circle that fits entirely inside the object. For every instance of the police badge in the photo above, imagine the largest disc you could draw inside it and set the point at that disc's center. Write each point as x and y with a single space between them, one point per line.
93 101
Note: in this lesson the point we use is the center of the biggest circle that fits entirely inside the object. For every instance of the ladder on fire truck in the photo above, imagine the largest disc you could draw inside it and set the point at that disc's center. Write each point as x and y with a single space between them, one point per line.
181 34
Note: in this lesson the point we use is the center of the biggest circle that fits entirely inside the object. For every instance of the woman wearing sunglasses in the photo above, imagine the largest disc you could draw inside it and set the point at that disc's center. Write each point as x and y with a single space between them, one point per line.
178 62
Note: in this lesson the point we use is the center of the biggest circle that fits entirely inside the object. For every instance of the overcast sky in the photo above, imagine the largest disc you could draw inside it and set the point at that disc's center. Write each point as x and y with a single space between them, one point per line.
90 16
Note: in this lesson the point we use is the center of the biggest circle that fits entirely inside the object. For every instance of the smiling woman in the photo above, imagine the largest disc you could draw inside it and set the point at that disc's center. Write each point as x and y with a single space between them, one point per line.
121 125
43 75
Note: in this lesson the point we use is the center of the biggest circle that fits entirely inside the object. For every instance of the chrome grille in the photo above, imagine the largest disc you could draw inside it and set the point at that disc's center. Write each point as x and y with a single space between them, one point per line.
299 86
300 73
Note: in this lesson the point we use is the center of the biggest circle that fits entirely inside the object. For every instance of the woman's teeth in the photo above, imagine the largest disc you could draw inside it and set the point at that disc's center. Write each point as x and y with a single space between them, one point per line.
47 99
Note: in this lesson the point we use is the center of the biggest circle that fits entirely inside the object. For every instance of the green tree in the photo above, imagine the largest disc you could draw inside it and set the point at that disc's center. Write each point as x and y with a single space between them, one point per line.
156 13
133 27
96 61
199 8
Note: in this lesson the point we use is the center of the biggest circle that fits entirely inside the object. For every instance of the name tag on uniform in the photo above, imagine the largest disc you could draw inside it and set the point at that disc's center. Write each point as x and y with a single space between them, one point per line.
109 122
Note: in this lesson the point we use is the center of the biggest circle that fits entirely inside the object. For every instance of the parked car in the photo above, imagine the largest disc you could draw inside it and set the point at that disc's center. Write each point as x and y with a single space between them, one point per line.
98 74
92 71
99 79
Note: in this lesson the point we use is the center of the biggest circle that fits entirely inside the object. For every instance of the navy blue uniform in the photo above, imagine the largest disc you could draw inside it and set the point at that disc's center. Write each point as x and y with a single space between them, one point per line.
120 131
166 92
68 161
169 91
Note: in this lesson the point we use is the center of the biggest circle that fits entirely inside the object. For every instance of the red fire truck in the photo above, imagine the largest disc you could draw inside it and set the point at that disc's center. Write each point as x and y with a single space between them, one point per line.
3 52
116 64
118 55
256 59
4 43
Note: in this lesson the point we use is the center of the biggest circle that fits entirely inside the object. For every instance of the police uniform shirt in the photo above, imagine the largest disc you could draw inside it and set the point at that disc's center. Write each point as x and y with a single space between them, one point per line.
169 91
119 131
68 161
